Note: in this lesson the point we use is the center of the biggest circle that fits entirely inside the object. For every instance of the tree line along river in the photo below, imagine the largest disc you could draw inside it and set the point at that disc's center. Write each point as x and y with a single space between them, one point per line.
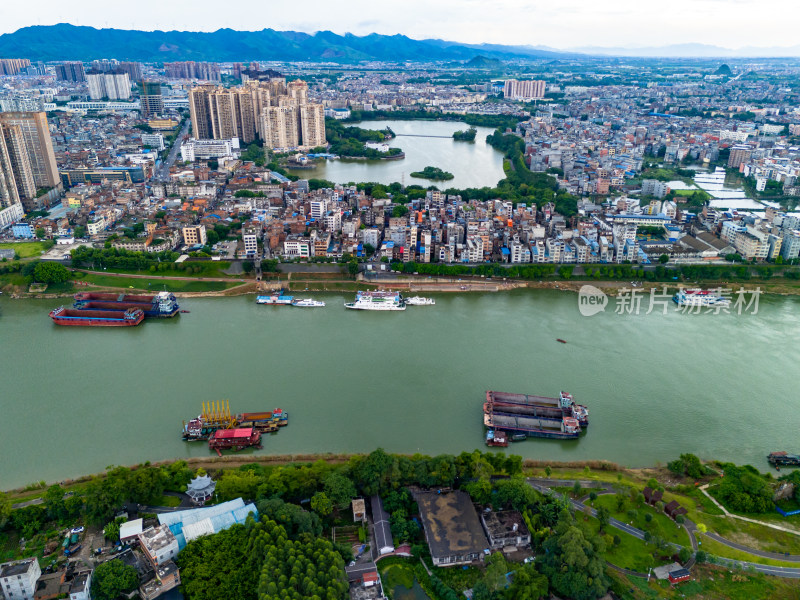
75 400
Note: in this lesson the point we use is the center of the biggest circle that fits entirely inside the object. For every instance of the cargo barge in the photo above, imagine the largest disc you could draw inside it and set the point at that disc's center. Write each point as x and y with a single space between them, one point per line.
783 459
217 416
97 318
234 439
113 297
164 305
538 406
565 428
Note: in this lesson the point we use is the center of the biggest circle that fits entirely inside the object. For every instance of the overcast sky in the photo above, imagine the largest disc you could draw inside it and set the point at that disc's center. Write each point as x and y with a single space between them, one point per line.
556 23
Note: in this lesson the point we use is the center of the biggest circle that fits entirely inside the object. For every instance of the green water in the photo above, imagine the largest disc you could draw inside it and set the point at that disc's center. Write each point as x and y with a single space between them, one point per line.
473 164
74 400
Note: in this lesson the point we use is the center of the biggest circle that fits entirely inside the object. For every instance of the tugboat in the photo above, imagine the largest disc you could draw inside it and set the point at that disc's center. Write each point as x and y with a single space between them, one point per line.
496 438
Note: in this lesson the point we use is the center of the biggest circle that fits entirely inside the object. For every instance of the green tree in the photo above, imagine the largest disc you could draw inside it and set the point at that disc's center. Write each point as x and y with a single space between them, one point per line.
321 504
5 509
340 489
112 578
54 503
352 267
50 272
40 233
663 259
527 584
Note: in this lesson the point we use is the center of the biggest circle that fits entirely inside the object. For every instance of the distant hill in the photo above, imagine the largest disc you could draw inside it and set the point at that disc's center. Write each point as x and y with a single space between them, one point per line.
482 62
723 70
70 42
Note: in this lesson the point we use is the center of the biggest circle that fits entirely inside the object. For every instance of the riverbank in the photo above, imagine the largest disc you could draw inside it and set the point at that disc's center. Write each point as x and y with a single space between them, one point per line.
297 282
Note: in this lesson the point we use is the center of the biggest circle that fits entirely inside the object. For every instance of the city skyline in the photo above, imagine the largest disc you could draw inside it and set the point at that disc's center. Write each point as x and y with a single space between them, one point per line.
577 24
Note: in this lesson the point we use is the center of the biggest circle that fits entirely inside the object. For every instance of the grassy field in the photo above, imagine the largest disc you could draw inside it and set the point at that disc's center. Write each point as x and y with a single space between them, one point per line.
709 583
660 524
201 269
27 249
754 536
171 501
173 285
631 553
717 549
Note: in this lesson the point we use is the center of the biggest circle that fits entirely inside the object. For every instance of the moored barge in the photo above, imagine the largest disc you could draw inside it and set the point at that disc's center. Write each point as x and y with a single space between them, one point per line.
537 406
97 318
783 459
163 305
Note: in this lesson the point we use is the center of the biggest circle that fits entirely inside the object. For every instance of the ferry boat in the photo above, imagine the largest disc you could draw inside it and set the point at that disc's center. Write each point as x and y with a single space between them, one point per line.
97 318
275 298
377 301
419 301
308 303
698 297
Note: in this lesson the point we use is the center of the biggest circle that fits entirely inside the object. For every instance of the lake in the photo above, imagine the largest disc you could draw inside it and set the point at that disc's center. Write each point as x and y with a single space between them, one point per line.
473 164
75 400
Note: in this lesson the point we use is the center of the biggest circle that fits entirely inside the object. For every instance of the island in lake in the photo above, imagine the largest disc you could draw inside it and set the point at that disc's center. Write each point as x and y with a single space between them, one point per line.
465 136
433 173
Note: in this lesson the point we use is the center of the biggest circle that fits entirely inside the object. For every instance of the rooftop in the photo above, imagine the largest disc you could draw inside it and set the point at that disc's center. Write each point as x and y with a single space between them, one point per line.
451 523
504 523
18 567
156 538
79 582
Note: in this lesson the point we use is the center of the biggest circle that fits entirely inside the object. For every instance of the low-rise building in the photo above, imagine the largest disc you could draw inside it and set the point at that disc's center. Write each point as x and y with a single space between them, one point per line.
159 545
505 528
18 578
452 529
81 585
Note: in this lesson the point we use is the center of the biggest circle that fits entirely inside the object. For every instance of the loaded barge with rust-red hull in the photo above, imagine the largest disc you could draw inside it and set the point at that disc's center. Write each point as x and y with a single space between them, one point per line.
538 406
161 305
234 439
97 318
111 297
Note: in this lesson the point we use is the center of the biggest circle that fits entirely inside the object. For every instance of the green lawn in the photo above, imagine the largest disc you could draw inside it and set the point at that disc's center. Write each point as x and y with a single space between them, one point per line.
171 501
173 285
754 536
631 553
709 583
27 249
660 525
207 268
717 549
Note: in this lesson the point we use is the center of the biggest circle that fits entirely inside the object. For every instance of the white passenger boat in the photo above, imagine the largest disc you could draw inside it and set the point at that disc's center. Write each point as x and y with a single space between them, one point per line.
377 301
308 303
697 297
419 301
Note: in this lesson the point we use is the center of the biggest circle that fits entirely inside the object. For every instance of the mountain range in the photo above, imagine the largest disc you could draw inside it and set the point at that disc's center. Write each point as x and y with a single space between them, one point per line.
72 42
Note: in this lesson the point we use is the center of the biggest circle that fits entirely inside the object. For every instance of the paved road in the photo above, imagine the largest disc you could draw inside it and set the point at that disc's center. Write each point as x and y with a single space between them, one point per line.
161 174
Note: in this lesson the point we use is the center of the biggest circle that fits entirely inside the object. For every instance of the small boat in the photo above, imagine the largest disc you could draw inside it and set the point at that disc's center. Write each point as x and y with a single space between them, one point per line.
519 437
496 438
185 312
308 303
562 341
420 301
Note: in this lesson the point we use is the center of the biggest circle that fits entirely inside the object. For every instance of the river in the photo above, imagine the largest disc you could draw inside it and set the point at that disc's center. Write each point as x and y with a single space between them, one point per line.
473 164
75 400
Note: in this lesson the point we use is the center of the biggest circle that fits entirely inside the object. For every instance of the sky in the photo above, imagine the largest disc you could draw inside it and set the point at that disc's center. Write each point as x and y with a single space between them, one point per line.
554 23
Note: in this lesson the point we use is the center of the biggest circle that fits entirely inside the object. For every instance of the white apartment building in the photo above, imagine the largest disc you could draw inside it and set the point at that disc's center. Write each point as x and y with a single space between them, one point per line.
154 140
193 150
297 248
250 241
18 578
81 586
158 544
96 226
474 249
112 85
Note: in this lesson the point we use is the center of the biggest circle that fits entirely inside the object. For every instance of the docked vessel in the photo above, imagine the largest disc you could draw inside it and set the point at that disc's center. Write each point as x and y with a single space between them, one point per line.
783 459
374 300
163 305
700 298
217 416
496 438
308 303
277 298
419 301
564 428
97 318
537 406
234 439
113 297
